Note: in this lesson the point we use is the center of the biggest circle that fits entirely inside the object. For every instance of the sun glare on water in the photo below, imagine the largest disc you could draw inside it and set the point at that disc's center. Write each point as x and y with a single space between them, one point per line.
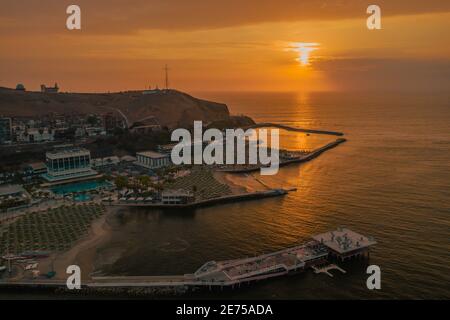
304 50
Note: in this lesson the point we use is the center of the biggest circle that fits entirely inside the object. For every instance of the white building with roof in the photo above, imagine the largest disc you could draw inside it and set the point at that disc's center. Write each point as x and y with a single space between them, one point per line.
152 159
176 196
345 243
68 163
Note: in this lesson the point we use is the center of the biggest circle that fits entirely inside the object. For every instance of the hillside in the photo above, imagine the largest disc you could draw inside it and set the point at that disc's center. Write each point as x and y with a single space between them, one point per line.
170 107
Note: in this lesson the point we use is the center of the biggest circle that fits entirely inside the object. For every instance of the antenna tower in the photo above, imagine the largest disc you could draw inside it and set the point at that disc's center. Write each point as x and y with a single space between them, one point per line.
166 69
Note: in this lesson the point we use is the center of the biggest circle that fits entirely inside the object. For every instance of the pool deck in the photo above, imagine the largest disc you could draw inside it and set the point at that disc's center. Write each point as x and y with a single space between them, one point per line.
68 181
67 189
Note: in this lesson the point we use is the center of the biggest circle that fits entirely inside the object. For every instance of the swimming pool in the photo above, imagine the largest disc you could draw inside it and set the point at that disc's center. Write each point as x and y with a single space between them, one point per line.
81 187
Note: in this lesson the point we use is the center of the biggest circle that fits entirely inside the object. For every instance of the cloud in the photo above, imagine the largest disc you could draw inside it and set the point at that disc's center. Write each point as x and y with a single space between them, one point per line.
118 16
387 74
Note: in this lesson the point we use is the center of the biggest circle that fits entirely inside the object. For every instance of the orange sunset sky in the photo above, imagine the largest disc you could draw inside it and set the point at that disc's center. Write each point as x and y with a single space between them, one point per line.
247 45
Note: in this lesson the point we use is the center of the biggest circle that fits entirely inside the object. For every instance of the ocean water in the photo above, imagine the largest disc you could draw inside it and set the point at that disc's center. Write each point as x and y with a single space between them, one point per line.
391 180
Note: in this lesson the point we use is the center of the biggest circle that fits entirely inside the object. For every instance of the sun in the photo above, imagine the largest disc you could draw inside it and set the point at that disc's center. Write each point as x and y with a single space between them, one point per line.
304 50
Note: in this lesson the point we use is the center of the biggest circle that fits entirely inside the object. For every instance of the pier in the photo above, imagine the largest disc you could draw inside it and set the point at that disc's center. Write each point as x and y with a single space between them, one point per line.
230 272
290 128
300 159
345 244
313 254
206 202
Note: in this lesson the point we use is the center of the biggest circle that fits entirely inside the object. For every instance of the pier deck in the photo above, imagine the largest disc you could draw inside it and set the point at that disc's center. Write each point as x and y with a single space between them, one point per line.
229 272
224 273
345 243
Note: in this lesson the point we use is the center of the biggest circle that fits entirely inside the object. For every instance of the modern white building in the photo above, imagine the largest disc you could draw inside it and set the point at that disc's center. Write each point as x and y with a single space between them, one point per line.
152 159
68 163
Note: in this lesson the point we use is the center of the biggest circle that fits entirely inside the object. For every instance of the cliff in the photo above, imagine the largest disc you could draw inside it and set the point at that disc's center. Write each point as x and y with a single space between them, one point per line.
170 107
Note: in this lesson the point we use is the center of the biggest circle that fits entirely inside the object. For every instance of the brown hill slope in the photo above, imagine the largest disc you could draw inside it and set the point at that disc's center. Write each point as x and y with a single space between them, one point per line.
170 107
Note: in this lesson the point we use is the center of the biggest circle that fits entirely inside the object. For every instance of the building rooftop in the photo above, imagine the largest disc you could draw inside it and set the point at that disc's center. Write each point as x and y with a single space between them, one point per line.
152 154
128 158
108 159
67 151
168 146
176 193
11 190
344 240
37 166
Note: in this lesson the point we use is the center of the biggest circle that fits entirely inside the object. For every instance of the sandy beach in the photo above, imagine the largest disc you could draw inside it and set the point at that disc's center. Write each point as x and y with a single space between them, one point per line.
83 253
239 183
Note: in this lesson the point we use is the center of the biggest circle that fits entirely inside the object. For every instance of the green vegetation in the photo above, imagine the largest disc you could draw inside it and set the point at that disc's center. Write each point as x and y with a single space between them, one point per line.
138 183
144 181
121 182
202 183
53 230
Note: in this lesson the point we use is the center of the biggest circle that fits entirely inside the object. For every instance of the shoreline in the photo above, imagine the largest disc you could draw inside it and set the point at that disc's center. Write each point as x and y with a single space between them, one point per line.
239 184
84 251
317 254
